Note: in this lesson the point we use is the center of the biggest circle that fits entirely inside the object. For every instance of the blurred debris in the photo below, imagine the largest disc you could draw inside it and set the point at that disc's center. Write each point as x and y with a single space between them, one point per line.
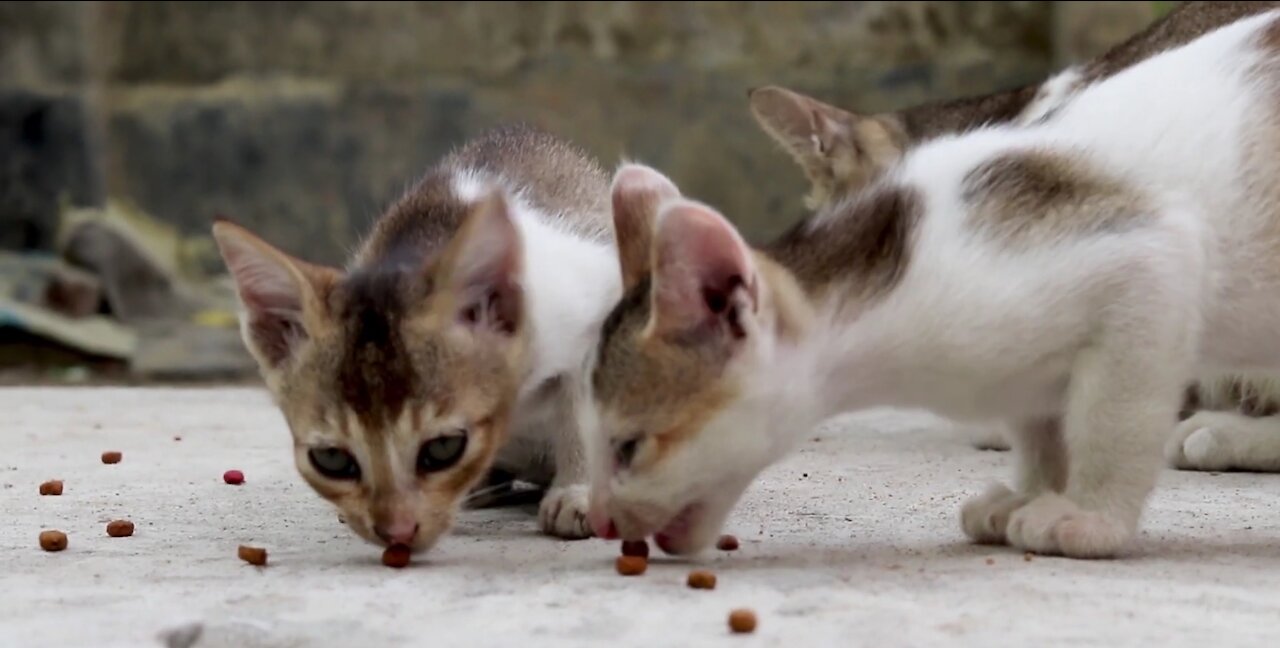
127 289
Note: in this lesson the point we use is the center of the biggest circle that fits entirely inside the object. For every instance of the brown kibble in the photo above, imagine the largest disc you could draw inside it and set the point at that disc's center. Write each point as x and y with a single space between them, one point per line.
727 543
1026 557
702 579
53 540
112 457
635 548
119 528
51 487
742 621
396 556
991 561
252 555
632 565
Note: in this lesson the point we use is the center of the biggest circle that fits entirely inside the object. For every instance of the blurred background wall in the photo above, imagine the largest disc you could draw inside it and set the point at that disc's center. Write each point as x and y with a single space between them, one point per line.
303 119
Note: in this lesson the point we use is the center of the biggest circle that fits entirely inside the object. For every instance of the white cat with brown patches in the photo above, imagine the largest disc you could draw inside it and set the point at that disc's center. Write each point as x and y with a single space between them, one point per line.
1072 275
1230 422
448 346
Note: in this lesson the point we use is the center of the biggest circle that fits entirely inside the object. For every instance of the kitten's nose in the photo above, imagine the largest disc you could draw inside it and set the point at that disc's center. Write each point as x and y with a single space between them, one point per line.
399 532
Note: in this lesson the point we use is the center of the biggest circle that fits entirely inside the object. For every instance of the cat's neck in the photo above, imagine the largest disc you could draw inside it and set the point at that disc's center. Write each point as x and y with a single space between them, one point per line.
571 282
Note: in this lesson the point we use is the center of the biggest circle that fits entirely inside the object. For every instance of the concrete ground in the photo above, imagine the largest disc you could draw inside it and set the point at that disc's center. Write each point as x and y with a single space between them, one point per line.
853 542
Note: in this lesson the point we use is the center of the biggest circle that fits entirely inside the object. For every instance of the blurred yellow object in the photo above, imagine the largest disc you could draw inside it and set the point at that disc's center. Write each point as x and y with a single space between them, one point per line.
216 319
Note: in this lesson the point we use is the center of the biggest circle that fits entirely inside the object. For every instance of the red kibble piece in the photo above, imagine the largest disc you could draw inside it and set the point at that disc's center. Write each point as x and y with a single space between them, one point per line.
252 555
112 457
119 528
396 556
742 621
702 579
635 548
233 477
53 540
52 487
727 543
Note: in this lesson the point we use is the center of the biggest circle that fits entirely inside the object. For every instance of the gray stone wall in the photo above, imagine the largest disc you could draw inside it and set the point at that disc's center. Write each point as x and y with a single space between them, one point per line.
304 119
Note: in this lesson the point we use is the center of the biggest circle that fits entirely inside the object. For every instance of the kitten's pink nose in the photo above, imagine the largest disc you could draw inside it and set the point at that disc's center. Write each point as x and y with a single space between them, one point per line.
399 532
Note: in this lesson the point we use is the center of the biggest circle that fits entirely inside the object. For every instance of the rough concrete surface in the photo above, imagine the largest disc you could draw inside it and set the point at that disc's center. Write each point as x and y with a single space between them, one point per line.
855 541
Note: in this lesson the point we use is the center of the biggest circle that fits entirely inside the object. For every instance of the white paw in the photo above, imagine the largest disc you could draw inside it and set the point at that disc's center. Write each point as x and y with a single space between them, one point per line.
985 517
563 512
1200 443
1054 525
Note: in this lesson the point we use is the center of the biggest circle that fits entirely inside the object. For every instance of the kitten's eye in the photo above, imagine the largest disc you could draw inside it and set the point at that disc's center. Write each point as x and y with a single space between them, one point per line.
334 463
442 451
625 451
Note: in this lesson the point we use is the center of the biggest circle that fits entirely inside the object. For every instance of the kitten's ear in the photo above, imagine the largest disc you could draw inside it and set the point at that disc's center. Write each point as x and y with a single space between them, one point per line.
838 150
704 281
482 268
638 193
280 294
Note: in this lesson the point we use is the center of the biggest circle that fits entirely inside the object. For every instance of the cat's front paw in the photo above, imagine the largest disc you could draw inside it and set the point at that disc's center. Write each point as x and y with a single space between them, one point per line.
563 512
1200 442
1054 525
986 516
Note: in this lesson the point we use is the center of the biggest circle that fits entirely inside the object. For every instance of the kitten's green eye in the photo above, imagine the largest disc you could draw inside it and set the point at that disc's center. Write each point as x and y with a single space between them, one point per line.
334 463
442 451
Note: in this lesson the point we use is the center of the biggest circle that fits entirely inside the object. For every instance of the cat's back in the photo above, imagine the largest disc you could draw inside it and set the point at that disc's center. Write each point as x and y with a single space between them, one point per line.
558 181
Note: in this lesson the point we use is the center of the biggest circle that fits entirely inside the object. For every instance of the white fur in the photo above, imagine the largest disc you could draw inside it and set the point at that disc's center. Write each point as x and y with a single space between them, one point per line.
1052 95
1102 331
570 283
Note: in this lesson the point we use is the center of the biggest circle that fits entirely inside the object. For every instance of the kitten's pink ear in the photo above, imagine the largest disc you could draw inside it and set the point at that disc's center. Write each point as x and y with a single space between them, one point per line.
807 128
483 265
838 150
703 278
279 293
638 193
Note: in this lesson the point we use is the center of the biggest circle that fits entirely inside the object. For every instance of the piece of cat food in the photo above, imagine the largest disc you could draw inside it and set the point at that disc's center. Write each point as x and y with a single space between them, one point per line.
991 561
631 565
51 487
233 477
252 555
742 621
727 543
396 556
119 528
635 548
702 579
112 457
1026 557
53 540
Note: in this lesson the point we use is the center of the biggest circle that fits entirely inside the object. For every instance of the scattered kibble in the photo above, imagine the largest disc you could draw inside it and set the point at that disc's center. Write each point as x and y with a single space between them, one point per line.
119 528
702 579
727 543
53 540
632 565
635 548
742 621
233 477
396 556
51 487
112 457
252 555
1026 557
991 561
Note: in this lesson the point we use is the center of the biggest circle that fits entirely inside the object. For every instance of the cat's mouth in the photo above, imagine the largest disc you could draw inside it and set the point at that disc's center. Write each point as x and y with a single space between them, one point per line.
677 536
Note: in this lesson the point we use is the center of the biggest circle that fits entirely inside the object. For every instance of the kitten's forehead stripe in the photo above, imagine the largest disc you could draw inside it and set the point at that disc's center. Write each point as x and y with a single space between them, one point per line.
375 375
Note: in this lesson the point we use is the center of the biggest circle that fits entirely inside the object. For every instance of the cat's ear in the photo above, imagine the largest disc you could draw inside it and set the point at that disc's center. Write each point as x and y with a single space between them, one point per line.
704 279
280 294
837 149
638 193
483 266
